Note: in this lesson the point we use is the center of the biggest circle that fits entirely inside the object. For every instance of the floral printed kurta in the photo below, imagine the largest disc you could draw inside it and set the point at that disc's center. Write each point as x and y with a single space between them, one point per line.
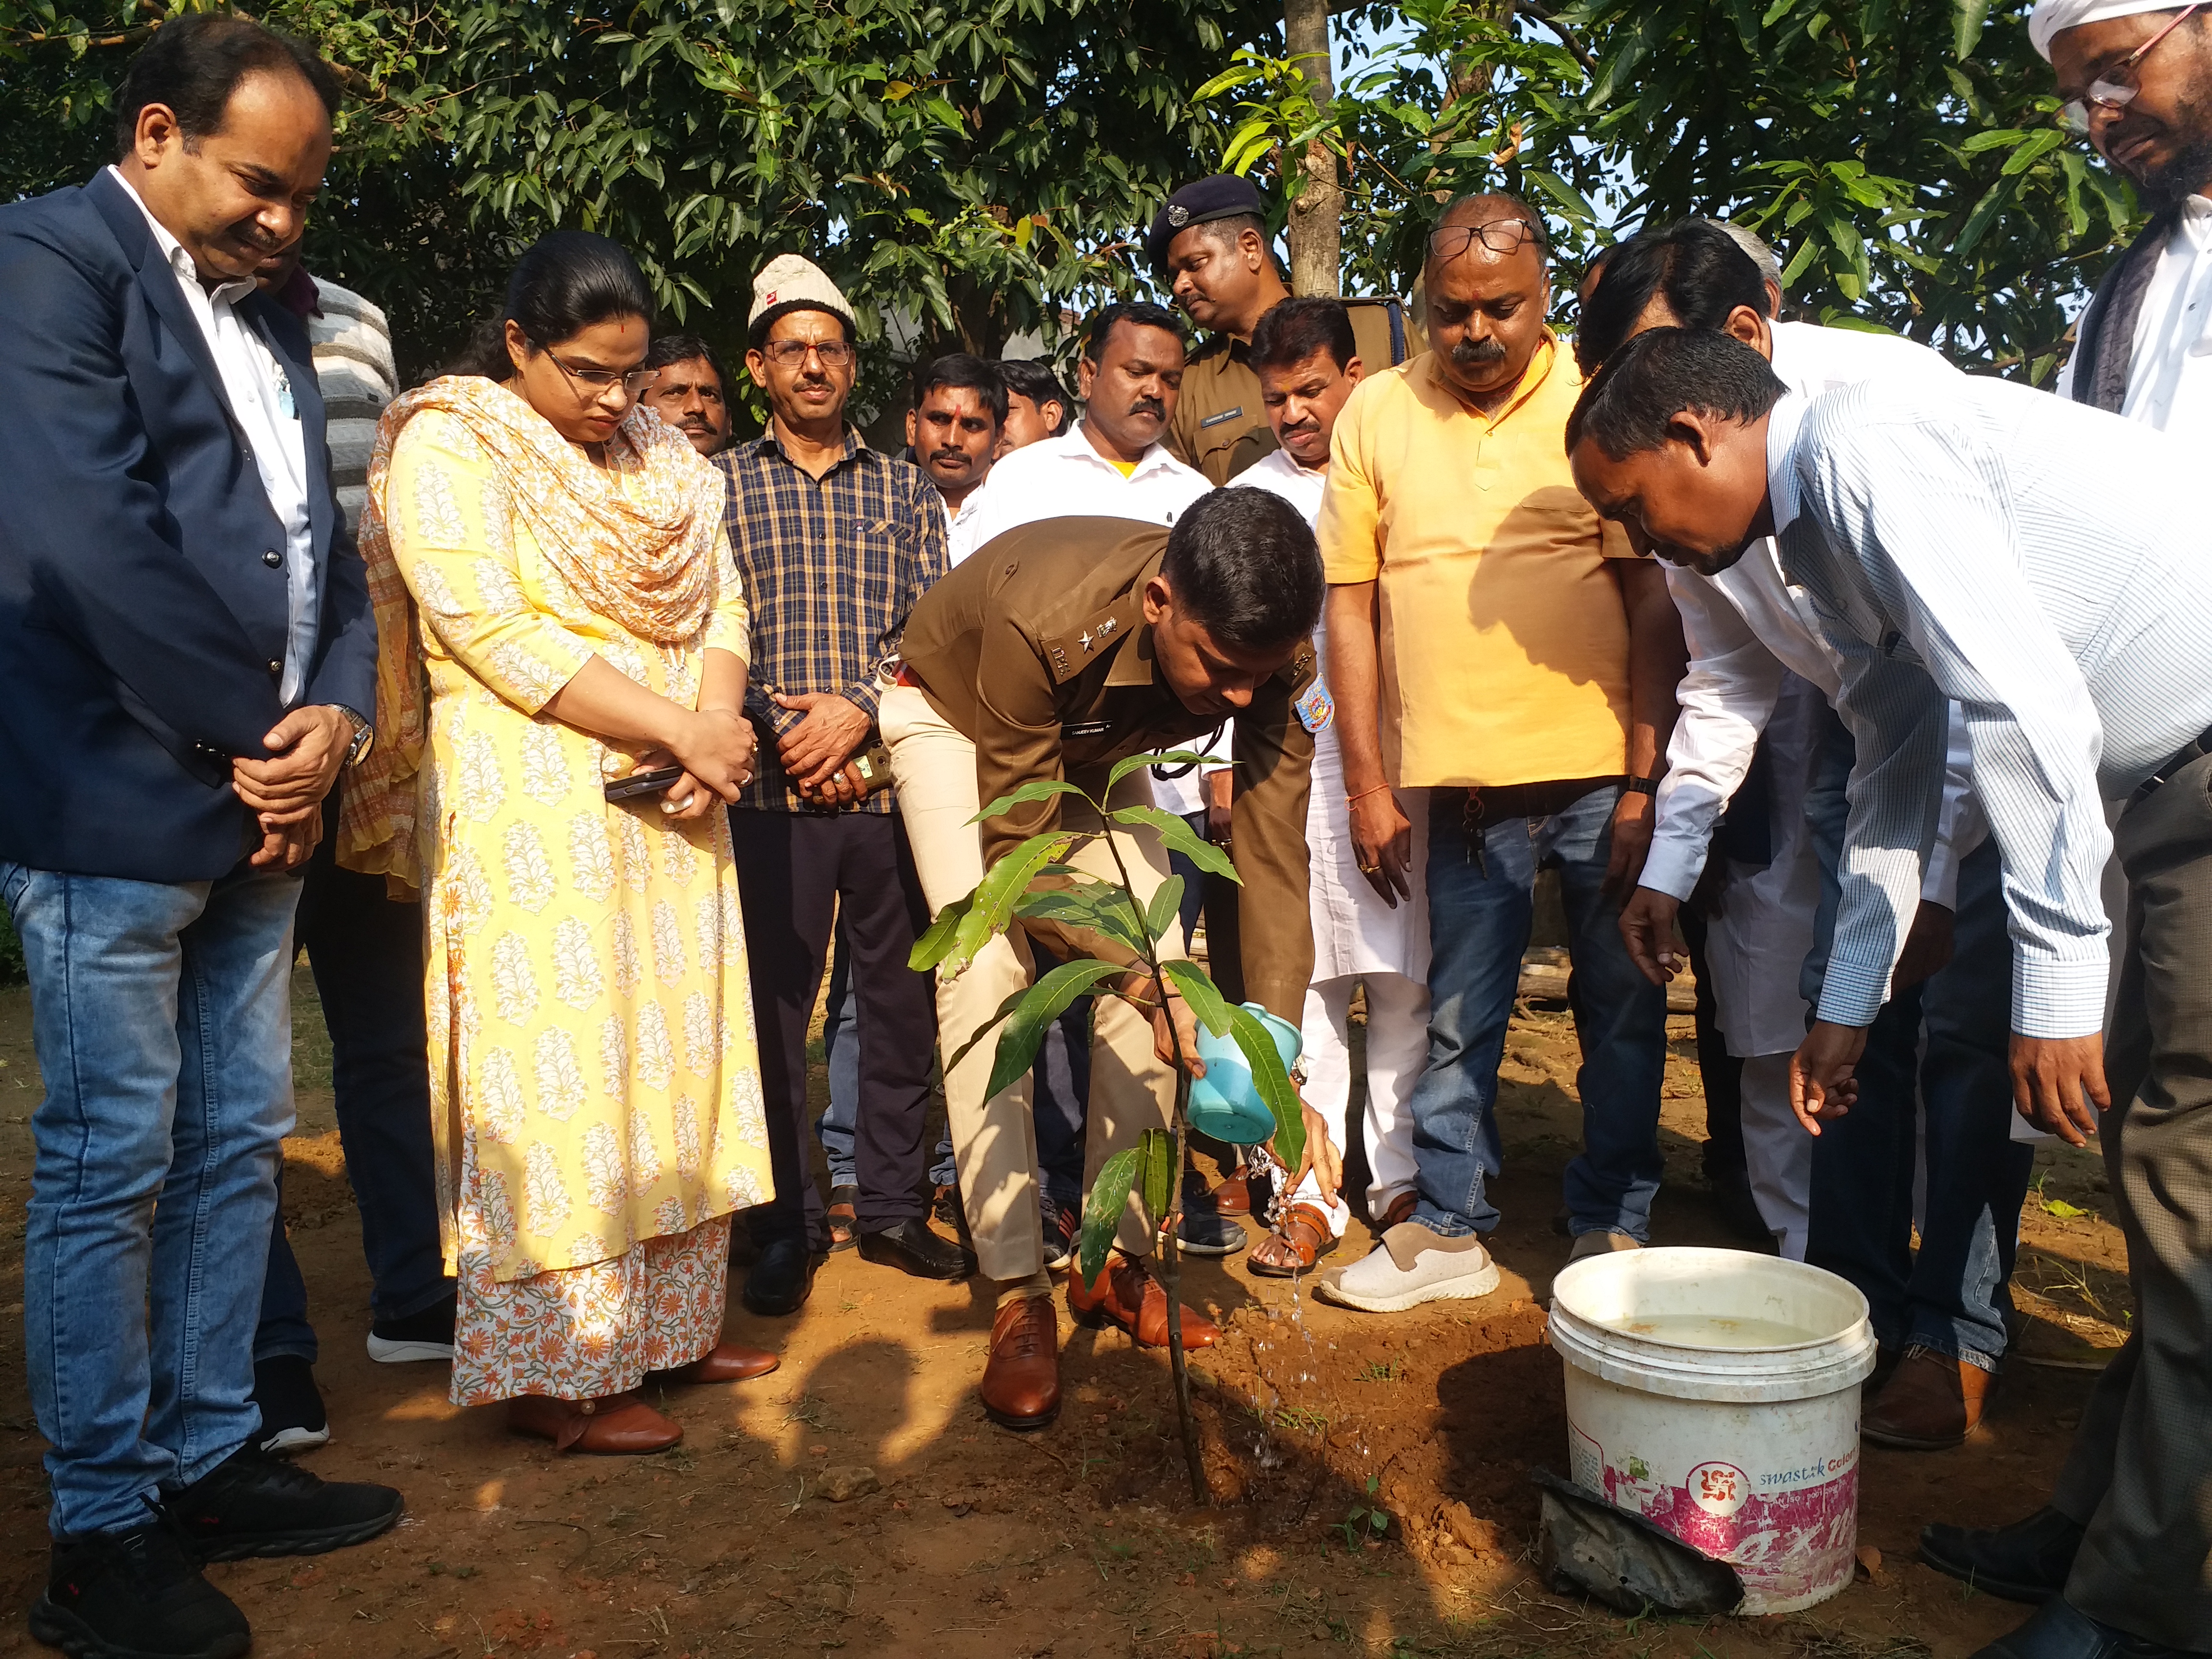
594 1080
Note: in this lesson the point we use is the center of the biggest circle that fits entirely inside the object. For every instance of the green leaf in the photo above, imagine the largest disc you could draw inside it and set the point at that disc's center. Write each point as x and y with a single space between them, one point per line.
1157 1156
1273 1083
2037 146
1000 890
1034 1013
1101 907
1166 903
1005 1011
2062 1209
935 942
1103 1206
1967 18
1204 996
1179 836
1035 789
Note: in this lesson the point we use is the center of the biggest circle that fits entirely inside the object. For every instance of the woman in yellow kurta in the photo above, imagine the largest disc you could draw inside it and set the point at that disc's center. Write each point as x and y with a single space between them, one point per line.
550 557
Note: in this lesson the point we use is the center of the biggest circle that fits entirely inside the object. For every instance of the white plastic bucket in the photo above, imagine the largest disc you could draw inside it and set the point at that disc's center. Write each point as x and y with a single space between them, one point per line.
1748 1453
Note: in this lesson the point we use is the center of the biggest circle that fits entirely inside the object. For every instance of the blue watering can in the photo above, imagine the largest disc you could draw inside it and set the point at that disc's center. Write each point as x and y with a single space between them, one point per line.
1225 1103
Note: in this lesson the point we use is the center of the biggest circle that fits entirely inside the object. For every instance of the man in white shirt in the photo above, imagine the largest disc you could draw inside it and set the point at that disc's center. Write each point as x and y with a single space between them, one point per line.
1845 1202
958 416
1306 357
2047 568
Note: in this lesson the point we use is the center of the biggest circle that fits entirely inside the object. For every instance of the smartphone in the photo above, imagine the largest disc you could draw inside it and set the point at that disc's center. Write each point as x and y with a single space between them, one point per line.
643 783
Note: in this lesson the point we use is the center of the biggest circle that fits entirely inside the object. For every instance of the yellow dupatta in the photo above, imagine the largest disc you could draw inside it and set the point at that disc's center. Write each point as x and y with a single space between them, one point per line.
637 546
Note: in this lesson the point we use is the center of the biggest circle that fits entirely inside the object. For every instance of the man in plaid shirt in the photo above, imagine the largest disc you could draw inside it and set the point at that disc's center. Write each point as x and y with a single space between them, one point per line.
835 541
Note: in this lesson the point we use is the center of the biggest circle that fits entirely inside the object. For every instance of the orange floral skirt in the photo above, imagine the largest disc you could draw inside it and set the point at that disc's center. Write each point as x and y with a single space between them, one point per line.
586 1332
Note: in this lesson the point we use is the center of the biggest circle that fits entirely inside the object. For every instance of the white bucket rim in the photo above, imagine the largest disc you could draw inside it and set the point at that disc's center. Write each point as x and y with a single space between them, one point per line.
1841 1358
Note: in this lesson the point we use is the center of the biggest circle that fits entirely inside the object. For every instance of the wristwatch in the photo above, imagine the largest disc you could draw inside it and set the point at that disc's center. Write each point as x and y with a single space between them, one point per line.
364 734
1641 786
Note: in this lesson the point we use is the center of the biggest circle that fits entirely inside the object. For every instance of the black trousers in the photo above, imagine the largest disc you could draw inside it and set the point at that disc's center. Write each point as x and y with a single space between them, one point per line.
367 954
796 873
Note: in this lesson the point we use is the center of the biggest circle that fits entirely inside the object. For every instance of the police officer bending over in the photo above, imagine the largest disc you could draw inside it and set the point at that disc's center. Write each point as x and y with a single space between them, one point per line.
1053 651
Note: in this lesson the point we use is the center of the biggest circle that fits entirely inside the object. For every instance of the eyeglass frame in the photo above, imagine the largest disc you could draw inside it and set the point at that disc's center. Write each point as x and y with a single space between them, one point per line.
846 352
2106 93
599 381
1531 231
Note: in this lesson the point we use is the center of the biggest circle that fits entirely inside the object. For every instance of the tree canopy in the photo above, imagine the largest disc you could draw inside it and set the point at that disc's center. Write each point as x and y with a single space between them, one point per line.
975 165
1901 155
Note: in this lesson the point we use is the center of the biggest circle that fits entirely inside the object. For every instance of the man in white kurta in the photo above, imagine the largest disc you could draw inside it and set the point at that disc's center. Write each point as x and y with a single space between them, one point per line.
1305 357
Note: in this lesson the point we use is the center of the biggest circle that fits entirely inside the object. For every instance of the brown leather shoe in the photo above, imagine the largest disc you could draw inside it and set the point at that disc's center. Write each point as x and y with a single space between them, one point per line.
726 1362
1401 1209
1127 1293
1233 1194
1021 1380
620 1425
1929 1402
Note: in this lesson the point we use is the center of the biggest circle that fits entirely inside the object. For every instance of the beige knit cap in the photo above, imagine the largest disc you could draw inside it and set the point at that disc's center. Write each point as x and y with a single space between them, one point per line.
789 280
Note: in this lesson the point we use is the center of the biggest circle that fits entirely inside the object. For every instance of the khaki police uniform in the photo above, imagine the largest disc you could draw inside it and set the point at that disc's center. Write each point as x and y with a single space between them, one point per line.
1033 659
1220 427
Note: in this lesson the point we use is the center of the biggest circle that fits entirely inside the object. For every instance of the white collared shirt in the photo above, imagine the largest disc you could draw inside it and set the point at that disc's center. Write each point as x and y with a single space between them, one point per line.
1748 624
1065 478
2047 567
2170 368
960 526
261 396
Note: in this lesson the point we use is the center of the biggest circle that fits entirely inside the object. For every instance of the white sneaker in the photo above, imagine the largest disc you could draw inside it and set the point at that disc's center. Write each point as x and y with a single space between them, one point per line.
1414 1266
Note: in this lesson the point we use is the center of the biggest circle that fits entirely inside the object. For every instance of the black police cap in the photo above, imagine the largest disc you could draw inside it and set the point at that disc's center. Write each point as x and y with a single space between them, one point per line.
1222 196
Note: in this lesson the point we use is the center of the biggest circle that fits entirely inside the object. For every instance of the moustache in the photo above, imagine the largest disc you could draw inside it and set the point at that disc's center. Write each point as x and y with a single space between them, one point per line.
950 457
1151 406
1477 353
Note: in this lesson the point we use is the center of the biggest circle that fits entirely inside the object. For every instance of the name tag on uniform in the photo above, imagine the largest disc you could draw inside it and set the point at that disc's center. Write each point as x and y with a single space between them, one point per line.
1086 729
1315 709
1226 415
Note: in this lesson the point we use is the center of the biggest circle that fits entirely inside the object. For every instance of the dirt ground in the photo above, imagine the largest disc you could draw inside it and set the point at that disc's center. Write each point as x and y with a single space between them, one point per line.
1083 1540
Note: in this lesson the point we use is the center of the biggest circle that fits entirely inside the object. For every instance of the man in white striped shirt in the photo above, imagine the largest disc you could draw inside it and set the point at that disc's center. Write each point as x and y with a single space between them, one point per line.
2046 566
1760 672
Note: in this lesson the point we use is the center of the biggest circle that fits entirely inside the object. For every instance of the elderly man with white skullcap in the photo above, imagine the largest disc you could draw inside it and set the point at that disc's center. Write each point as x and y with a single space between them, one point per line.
2121 1557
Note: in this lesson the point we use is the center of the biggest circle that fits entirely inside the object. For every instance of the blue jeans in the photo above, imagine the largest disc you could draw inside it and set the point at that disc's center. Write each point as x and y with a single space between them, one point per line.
841 1047
163 1020
1953 1295
1481 902
367 954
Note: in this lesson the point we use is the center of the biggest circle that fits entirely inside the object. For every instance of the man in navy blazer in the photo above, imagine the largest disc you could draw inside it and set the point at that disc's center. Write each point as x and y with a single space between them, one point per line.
186 648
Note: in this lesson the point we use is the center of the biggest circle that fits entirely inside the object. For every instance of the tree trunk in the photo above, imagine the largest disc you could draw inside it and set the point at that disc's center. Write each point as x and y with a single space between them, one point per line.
1316 225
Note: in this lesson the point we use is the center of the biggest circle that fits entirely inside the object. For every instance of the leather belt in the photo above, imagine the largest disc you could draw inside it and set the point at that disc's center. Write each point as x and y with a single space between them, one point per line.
1531 800
2194 749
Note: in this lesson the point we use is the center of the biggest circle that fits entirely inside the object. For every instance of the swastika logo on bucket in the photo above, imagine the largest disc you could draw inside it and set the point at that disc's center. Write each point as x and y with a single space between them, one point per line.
1719 1488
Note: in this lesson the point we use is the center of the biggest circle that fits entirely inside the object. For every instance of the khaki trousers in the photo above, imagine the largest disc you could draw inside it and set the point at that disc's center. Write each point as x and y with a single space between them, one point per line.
994 1141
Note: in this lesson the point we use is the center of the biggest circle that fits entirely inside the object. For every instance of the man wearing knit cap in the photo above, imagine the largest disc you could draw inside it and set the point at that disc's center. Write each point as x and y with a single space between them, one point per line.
1209 244
2121 1557
835 541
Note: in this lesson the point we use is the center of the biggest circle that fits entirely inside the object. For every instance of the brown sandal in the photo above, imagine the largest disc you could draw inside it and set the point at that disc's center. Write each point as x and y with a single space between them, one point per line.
1304 1232
844 1218
621 1425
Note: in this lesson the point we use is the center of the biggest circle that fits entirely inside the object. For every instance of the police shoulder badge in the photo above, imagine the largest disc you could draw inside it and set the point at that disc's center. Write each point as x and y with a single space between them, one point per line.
1315 709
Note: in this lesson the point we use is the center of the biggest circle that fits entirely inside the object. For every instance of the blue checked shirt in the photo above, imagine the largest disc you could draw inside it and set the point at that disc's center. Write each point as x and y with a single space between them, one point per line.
2050 567
831 567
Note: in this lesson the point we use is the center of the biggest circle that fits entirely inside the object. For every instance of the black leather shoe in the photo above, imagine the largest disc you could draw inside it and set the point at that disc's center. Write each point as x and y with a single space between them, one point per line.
780 1278
253 1504
135 1595
2027 1561
913 1248
2061 1631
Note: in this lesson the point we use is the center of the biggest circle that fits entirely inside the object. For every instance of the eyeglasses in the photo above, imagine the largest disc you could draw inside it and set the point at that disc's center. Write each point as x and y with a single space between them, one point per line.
2115 88
1498 235
599 380
790 354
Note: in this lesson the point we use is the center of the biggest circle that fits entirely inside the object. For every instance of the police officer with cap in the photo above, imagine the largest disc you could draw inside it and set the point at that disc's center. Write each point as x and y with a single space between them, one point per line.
1209 243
